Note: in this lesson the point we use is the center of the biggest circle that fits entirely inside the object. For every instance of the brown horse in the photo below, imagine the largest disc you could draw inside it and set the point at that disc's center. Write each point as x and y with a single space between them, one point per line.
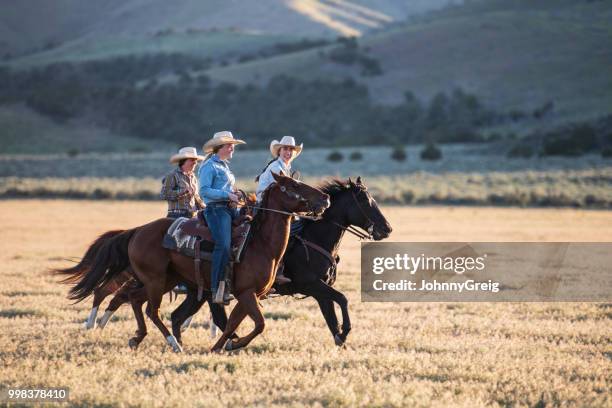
159 269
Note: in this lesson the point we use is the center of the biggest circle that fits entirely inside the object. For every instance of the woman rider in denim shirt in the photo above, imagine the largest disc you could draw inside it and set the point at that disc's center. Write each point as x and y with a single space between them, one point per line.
217 190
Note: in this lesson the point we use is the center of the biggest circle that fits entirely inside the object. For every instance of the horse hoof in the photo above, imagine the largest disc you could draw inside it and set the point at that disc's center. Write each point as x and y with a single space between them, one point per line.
133 343
338 340
228 345
176 347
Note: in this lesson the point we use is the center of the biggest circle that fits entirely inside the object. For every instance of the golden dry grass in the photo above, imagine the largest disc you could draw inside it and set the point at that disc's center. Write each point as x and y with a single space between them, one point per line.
398 354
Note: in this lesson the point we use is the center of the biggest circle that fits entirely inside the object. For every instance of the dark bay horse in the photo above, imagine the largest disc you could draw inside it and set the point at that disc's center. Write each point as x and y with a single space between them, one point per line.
158 269
309 269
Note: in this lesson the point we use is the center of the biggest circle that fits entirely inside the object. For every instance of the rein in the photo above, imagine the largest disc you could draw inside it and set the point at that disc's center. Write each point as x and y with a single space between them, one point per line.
293 214
291 194
353 230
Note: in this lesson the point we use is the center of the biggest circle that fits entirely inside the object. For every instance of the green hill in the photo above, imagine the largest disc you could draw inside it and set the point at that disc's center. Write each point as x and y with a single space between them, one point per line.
512 54
23 131
28 27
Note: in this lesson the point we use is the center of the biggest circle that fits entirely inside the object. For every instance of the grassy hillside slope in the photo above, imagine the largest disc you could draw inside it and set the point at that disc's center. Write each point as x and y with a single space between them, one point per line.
30 26
25 131
513 54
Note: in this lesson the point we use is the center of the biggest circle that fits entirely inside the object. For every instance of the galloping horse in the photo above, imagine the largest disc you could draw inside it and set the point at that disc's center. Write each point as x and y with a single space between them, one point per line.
310 267
158 268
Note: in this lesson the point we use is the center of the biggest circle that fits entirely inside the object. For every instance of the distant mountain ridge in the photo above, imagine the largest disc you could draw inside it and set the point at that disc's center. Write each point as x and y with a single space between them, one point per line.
28 26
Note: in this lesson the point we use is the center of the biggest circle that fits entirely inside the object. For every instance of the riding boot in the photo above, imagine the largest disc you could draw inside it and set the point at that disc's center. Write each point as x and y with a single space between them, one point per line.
280 278
227 294
220 291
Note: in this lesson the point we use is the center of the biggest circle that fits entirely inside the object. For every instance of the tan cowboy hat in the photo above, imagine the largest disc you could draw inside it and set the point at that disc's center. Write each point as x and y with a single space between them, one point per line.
186 153
221 138
286 141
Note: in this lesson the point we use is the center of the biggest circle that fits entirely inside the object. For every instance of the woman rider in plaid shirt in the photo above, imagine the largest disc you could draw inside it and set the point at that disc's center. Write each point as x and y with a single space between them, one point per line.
180 186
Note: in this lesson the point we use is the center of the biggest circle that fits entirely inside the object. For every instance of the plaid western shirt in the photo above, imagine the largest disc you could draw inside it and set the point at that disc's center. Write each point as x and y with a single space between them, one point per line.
181 191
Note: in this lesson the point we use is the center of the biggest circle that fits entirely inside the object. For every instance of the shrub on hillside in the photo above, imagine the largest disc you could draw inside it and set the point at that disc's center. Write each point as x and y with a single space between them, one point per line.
370 66
356 156
520 151
579 140
335 156
72 152
431 152
398 154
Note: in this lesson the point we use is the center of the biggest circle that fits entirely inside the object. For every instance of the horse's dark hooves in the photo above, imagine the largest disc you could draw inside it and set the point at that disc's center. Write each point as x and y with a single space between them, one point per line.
133 343
338 340
230 345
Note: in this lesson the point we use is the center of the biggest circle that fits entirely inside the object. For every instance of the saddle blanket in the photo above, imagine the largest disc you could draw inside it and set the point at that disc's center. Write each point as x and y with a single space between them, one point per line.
177 240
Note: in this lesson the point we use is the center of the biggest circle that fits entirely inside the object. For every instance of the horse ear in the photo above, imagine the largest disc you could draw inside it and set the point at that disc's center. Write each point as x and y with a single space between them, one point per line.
359 180
350 182
276 176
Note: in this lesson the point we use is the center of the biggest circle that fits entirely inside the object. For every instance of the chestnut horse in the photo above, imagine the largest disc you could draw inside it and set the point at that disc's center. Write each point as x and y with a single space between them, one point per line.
159 269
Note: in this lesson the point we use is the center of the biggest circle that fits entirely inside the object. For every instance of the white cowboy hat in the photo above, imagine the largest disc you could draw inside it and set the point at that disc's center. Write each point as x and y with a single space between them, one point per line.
186 153
286 141
221 138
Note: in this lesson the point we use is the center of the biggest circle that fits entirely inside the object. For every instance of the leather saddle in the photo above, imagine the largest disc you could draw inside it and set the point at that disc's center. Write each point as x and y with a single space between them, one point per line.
198 228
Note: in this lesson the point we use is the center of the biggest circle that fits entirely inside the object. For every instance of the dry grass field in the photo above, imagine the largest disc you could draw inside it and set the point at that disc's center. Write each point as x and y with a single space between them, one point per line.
398 354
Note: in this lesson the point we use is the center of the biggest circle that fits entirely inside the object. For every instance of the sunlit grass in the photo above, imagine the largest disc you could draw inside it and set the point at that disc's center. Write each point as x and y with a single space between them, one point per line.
398 354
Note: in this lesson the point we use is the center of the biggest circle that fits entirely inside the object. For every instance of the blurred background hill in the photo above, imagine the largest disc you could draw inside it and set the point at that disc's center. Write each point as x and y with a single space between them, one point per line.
487 102
526 79
29 26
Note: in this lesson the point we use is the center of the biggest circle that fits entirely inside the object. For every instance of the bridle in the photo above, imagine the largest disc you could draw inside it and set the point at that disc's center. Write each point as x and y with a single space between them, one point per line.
352 229
294 195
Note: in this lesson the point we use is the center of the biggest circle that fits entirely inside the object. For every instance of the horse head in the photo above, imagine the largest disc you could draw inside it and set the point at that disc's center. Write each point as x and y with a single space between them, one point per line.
299 197
363 211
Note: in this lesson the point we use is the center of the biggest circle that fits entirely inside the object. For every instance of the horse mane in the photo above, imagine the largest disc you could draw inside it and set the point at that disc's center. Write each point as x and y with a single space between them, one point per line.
259 218
334 186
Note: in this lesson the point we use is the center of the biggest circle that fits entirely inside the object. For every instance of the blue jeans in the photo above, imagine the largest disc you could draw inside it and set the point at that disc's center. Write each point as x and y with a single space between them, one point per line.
219 218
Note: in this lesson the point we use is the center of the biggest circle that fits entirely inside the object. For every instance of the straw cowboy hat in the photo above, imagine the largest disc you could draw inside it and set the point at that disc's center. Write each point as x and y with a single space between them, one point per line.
186 153
221 138
286 141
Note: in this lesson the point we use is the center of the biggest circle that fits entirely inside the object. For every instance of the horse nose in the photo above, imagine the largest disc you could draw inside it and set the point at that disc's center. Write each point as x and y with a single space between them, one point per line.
324 202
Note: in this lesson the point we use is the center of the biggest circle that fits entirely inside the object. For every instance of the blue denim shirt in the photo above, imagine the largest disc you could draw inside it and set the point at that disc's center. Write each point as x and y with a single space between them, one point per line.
216 180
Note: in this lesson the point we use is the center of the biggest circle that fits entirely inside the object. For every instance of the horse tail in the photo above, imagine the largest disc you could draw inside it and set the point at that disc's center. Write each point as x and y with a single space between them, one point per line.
110 260
76 272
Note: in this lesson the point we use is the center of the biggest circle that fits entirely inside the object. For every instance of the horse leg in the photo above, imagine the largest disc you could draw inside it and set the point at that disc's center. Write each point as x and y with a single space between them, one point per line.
249 302
190 307
120 284
121 297
141 332
99 295
184 311
155 292
320 290
219 316
327 309
236 317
